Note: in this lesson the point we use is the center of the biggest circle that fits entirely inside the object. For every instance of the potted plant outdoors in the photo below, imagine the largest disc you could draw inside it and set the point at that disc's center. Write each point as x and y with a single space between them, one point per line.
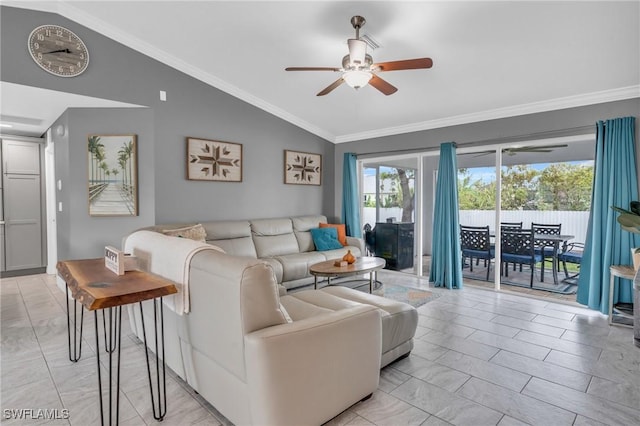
629 220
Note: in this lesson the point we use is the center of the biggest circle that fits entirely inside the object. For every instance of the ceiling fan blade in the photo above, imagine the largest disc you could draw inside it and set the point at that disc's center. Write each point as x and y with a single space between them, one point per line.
330 87
407 64
382 85
534 148
311 69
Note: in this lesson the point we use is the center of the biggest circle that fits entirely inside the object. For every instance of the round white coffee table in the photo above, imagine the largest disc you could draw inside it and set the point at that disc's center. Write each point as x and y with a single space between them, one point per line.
362 265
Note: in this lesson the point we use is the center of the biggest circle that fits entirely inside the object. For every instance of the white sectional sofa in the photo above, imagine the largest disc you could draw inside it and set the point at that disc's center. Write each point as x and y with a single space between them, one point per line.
262 355
285 243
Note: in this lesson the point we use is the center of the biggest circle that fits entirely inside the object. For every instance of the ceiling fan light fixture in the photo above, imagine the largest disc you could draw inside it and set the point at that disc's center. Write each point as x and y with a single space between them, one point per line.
356 78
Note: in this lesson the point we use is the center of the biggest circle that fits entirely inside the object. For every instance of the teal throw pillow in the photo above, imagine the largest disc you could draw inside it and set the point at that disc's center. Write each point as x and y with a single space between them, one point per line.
325 239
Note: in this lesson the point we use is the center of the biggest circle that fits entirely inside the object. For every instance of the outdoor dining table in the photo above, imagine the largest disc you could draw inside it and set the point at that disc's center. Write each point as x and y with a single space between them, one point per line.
556 240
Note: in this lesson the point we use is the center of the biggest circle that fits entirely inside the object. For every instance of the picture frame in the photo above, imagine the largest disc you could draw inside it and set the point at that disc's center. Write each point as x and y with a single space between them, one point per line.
302 168
212 160
112 175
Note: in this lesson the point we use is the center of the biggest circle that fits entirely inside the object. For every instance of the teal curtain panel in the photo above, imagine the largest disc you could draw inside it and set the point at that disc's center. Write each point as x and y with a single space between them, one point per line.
615 183
446 259
350 205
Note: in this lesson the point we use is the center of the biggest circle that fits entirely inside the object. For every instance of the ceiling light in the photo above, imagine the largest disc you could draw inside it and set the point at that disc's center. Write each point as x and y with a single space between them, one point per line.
357 79
5 125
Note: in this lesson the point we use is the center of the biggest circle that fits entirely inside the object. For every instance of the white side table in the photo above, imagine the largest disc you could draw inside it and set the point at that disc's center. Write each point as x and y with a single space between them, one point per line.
622 271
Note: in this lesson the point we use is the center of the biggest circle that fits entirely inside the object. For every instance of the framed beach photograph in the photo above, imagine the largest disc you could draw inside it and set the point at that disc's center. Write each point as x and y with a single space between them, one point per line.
113 175
214 160
302 168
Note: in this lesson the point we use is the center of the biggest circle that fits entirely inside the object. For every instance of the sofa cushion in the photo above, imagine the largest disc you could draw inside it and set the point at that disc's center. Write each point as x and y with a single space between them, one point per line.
195 232
296 265
301 227
339 253
341 228
273 237
233 236
325 239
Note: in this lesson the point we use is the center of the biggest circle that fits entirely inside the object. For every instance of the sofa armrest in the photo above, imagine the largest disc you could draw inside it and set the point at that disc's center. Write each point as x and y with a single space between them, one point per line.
356 242
308 371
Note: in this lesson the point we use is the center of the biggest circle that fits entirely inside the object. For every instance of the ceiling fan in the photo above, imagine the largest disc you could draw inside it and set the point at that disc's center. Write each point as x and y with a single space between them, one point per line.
515 150
358 68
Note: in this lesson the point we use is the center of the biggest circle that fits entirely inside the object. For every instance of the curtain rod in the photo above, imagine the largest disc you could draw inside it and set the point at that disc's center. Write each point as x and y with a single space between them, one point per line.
520 138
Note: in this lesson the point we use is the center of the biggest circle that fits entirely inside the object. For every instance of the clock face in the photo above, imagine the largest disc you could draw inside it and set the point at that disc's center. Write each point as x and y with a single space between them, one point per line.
58 50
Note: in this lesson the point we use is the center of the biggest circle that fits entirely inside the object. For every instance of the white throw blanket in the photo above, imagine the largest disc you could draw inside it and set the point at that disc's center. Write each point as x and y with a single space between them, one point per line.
168 257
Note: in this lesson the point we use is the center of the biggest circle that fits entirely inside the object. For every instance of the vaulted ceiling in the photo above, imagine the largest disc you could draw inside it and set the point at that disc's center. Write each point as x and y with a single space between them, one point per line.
491 59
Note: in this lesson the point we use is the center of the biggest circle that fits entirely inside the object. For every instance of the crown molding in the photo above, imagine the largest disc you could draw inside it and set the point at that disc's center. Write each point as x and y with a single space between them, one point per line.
73 13
603 96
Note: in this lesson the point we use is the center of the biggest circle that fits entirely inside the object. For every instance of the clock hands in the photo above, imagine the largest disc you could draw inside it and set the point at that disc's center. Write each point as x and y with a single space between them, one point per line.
58 51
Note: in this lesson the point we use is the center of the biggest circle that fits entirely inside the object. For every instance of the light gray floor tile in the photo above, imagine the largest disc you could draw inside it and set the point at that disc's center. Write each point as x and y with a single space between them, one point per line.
516 346
445 405
514 404
491 327
510 421
543 370
585 421
572 325
626 393
469 347
445 326
529 326
479 368
572 362
427 350
587 405
437 310
344 418
584 351
435 421
17 372
434 373
507 312
359 421
385 410
464 310
391 378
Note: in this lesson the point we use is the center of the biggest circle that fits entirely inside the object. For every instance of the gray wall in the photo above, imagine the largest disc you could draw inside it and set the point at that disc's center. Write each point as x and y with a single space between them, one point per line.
193 109
553 121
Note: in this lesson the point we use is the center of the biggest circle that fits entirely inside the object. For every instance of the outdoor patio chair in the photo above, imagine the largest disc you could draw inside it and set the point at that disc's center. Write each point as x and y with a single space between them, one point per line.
571 253
511 226
475 242
518 247
545 248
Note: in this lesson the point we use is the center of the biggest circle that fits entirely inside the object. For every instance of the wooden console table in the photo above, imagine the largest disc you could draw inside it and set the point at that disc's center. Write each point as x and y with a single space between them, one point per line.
97 288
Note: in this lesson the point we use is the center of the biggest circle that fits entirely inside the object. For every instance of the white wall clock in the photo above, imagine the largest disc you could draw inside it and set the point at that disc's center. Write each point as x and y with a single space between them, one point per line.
58 51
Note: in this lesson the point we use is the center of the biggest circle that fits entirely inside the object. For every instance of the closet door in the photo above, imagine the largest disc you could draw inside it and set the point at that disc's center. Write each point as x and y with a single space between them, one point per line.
22 198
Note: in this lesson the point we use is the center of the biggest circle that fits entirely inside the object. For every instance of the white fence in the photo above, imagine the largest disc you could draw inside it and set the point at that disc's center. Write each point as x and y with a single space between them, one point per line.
573 223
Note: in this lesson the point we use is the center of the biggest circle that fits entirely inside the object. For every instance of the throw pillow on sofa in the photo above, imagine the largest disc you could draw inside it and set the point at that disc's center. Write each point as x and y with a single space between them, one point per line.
325 238
195 232
342 231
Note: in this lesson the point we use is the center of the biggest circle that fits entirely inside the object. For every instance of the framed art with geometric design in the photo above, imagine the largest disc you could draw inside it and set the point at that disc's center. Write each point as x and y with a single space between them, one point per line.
214 160
302 168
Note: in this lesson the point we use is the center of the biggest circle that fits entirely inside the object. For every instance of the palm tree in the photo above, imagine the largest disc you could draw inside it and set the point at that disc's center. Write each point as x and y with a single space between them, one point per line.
93 147
105 169
127 149
122 162
100 156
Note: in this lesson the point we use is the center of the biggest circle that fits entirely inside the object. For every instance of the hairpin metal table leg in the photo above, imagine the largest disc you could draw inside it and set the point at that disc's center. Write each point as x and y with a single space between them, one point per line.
113 342
75 350
159 404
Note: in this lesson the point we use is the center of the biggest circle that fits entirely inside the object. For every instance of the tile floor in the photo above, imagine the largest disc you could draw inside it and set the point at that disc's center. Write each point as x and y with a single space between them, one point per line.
480 358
